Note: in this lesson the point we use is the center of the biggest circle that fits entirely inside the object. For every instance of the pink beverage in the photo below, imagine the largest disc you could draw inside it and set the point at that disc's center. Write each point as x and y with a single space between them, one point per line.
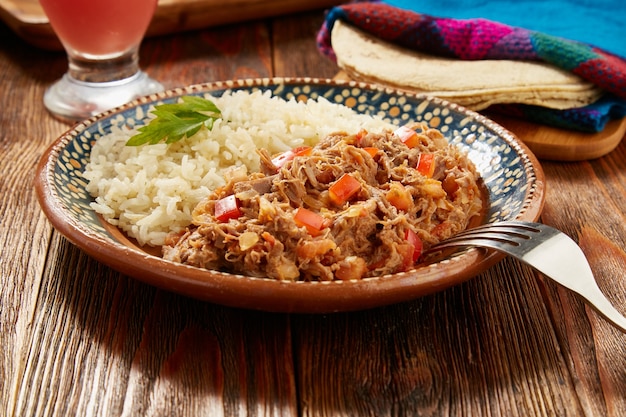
99 28
102 39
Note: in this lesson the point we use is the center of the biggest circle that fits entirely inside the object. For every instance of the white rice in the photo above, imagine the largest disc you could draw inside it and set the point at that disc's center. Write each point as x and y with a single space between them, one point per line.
149 191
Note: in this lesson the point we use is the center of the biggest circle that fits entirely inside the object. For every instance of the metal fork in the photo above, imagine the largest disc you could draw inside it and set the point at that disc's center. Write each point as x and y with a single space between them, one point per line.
546 249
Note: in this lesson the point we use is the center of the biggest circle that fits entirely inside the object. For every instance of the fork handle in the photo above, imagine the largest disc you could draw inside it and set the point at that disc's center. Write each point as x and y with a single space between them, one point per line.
567 272
601 304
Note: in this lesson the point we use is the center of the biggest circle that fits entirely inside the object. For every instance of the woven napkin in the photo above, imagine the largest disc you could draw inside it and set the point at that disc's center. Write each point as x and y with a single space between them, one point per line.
483 39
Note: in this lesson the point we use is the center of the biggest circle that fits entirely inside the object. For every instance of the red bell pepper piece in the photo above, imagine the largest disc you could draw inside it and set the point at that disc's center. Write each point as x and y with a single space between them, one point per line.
360 135
227 208
343 189
408 136
426 164
371 150
313 222
414 240
287 156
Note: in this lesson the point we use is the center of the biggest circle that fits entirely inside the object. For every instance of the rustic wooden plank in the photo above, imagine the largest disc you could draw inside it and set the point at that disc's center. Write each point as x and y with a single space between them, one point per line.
210 55
298 55
80 339
482 348
24 231
109 345
589 206
77 338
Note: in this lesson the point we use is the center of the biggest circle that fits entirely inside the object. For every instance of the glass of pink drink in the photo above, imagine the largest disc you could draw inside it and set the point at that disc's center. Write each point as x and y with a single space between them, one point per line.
101 38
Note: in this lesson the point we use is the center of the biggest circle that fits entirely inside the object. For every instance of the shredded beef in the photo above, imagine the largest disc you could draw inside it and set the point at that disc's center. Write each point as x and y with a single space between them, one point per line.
364 237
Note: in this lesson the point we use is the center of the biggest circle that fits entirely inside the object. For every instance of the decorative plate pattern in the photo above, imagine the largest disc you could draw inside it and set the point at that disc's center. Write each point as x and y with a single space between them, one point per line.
511 173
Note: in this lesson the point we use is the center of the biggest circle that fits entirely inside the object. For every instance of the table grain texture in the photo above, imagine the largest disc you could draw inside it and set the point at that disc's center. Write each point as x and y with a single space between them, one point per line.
79 339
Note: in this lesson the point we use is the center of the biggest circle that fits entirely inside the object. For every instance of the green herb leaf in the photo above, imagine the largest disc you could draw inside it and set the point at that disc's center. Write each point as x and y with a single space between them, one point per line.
176 121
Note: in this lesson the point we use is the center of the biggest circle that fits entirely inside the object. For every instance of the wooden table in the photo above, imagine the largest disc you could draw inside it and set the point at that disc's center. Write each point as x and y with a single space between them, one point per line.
77 338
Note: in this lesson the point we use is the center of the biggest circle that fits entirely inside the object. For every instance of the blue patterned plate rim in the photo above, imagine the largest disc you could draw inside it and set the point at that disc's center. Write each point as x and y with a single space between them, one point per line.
512 174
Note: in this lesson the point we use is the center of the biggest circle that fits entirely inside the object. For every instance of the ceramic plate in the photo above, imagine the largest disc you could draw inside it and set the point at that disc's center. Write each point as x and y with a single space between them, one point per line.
512 175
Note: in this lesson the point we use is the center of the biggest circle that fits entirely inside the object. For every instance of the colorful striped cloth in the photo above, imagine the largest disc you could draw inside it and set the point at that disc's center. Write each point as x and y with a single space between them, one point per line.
474 39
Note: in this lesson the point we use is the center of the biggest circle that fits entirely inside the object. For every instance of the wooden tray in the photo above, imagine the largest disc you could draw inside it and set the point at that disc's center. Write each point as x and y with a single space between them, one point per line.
554 144
27 19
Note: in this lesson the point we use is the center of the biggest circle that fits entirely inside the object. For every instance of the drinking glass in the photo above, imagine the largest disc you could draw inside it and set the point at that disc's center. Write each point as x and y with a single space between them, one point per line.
101 39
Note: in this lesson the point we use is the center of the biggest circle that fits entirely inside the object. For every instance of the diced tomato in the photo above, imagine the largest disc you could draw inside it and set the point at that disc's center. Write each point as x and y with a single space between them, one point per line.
371 150
410 251
398 196
313 222
302 151
227 208
360 135
450 185
406 252
343 189
408 136
426 164
269 238
414 240
287 156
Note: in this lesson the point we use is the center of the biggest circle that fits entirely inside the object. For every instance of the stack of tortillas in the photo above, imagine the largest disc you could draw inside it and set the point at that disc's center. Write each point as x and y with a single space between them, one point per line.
473 84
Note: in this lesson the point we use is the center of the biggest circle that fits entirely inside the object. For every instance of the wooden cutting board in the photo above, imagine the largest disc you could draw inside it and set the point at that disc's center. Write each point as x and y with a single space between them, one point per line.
27 19
550 143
